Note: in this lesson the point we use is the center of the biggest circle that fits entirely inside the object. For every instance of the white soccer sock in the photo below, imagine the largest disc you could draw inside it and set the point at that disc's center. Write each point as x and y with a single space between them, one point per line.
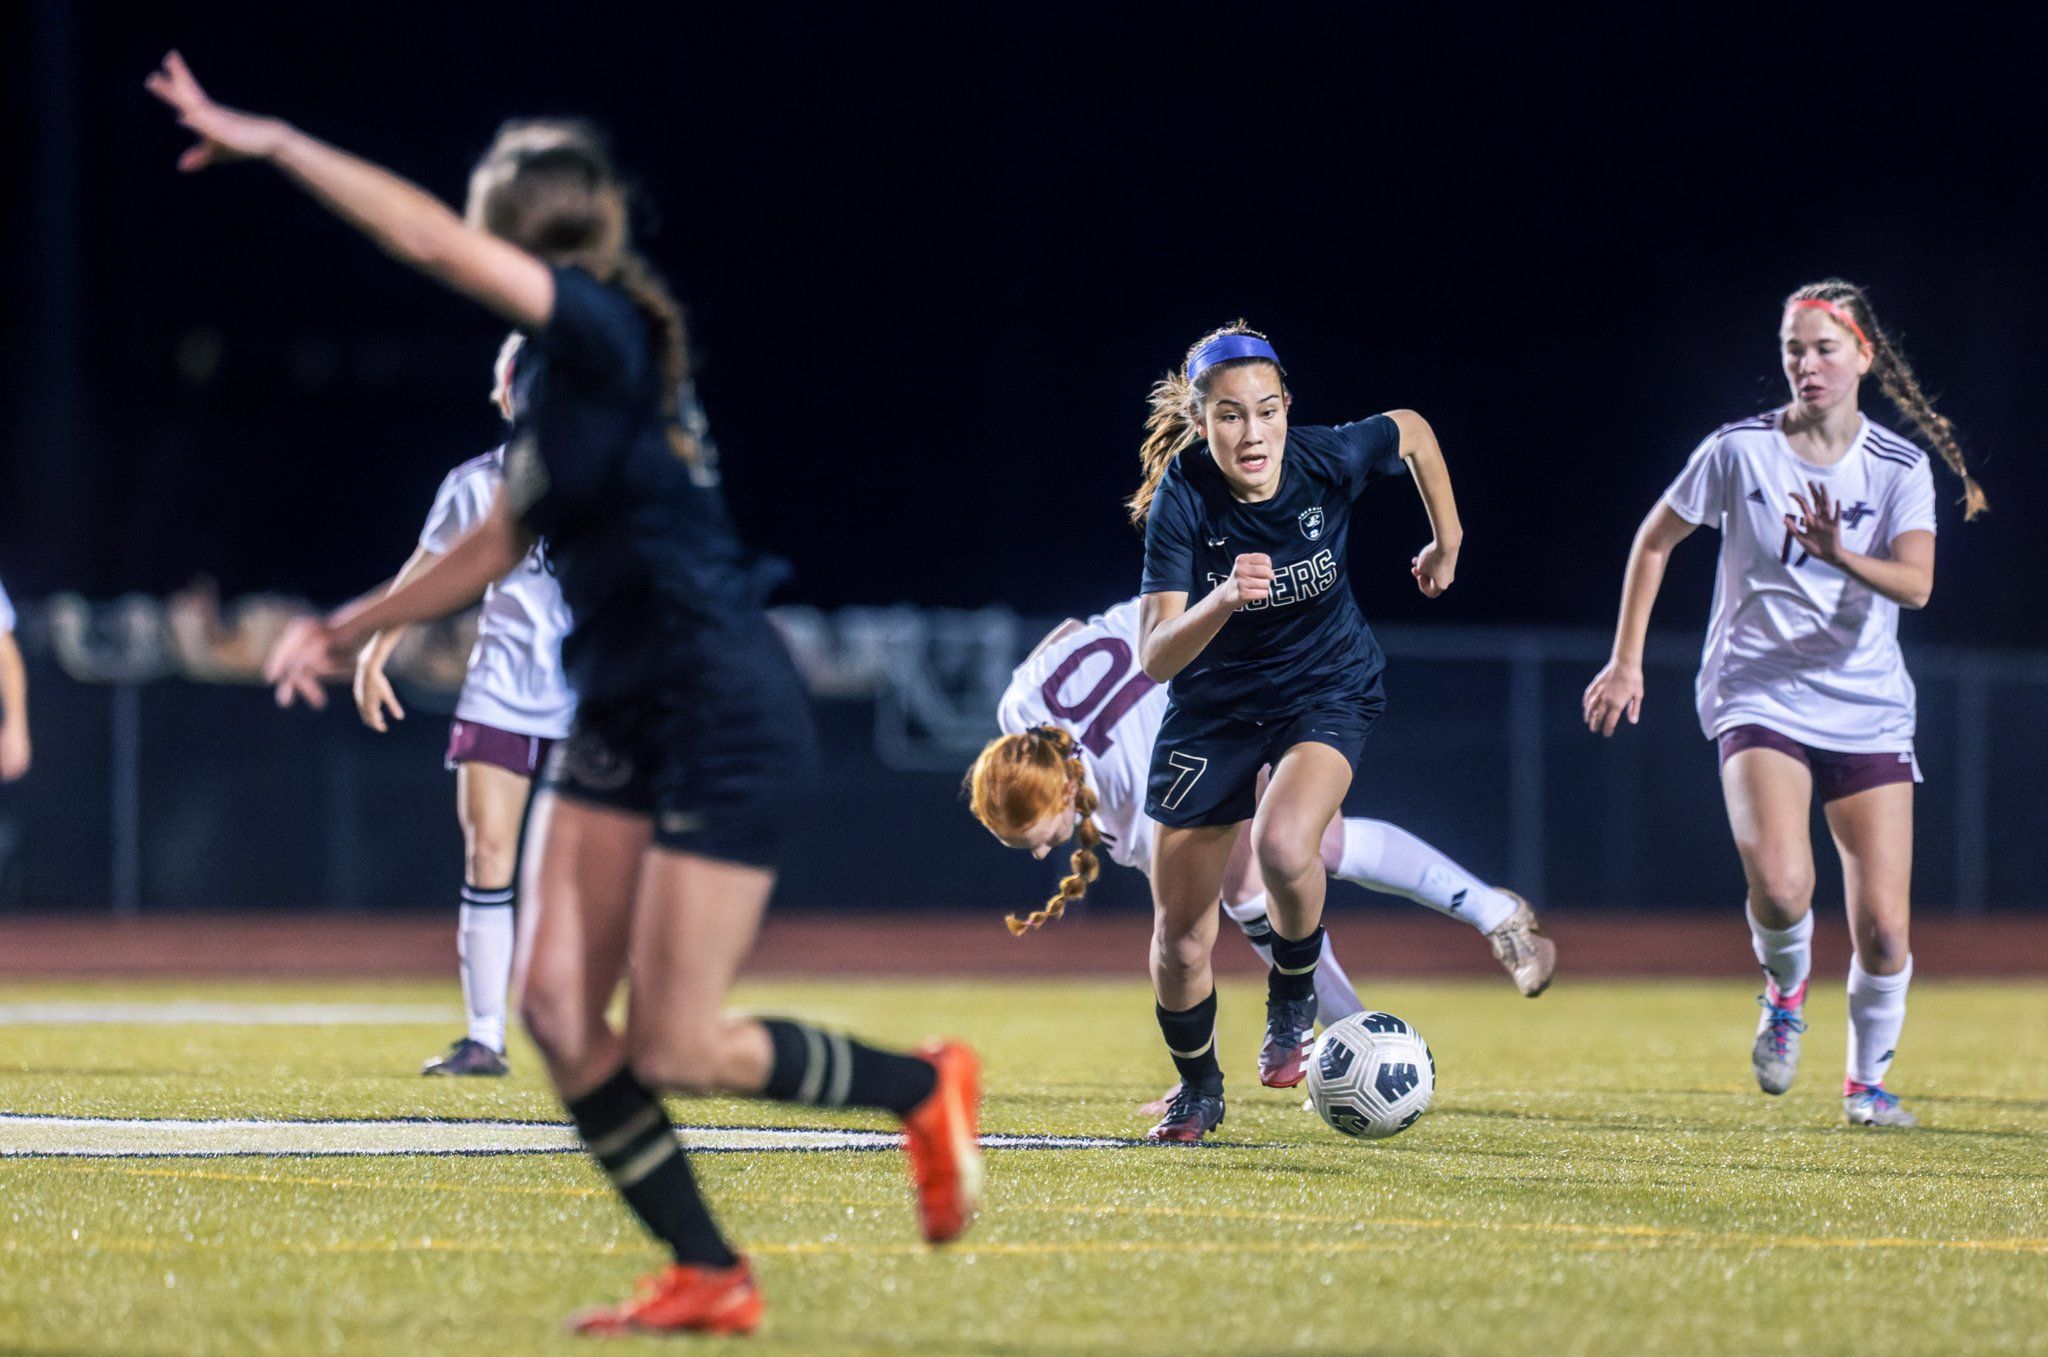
1385 857
1786 954
484 940
1877 1010
1336 997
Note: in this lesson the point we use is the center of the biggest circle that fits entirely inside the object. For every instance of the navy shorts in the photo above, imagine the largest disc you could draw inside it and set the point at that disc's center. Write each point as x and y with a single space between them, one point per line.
721 779
1205 767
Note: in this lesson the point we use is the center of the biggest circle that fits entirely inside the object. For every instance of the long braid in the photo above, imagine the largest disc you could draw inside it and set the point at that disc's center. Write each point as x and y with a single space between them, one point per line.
1896 378
638 280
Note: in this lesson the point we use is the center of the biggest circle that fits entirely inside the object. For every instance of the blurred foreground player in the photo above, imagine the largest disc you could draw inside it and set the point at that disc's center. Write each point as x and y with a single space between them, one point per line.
665 810
1827 530
14 747
514 705
1246 608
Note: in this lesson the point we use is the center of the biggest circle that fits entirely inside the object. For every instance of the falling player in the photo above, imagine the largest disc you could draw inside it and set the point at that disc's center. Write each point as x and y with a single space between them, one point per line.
655 841
1827 530
515 703
1247 610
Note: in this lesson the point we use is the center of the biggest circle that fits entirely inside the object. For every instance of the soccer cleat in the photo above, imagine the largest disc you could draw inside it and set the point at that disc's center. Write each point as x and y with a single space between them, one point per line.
1290 1031
1871 1105
1520 946
1157 1107
1190 1116
681 1299
942 1136
1776 1053
467 1056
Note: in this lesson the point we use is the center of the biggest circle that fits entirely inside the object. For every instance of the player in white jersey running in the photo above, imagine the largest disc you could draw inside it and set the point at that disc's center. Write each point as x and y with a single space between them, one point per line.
1827 529
515 703
1079 719
14 746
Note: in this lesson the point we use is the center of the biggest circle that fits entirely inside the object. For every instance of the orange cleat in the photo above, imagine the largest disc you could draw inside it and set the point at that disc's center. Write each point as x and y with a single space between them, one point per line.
942 1135
681 1299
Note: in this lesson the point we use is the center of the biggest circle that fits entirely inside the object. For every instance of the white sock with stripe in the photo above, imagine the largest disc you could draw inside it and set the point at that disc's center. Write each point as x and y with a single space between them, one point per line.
484 939
1384 857
1877 1013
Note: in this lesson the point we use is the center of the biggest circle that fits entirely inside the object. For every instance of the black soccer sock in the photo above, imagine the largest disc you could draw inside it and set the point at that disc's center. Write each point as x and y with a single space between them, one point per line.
1191 1041
831 1069
624 1126
1294 965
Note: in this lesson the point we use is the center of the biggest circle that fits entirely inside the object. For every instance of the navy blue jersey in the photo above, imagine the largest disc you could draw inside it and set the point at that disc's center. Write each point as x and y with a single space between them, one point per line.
1307 642
663 593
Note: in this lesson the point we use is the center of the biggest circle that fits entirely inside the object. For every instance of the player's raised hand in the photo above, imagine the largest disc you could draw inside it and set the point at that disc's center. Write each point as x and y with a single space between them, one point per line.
1434 567
304 654
1616 691
1817 527
374 695
224 133
1251 578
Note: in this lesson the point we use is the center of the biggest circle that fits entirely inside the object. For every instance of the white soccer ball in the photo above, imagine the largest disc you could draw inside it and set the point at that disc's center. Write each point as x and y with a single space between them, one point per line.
1371 1075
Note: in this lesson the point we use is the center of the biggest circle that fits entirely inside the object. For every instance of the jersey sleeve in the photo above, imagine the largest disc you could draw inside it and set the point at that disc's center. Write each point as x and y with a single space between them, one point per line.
7 618
594 331
1369 450
1696 496
1912 507
460 504
1170 541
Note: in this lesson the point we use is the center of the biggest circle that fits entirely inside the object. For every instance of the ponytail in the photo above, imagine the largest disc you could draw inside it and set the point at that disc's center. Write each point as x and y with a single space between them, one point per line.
1896 379
1171 426
638 280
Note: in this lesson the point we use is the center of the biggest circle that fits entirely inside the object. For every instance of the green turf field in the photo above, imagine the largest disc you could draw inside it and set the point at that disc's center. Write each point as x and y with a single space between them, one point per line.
1599 1175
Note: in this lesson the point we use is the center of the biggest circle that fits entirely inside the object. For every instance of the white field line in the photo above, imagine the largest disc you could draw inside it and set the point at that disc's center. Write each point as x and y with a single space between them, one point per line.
176 1012
31 1137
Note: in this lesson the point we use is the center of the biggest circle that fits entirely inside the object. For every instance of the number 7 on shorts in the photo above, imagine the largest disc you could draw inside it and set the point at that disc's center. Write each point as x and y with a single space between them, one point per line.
1191 770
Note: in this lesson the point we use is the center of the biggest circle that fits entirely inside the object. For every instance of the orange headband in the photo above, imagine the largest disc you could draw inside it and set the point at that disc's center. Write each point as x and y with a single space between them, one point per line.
1822 304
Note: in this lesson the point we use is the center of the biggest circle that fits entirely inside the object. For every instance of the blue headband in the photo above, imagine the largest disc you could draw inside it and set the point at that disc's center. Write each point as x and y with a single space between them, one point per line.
1223 348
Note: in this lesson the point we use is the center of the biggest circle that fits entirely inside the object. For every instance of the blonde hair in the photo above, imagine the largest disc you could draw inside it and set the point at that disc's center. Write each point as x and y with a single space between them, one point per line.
1018 780
1895 377
1171 425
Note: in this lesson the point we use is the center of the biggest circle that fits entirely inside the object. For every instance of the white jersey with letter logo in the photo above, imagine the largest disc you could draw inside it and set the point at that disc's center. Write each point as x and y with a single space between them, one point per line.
1794 644
515 679
1091 684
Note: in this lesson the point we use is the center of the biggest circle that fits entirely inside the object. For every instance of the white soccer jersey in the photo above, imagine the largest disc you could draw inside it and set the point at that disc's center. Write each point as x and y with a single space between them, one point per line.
1091 684
1796 645
515 679
6 611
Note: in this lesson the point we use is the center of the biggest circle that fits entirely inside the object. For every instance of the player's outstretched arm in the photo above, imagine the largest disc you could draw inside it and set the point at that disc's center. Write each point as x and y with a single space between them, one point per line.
313 648
14 746
1617 690
405 221
1436 565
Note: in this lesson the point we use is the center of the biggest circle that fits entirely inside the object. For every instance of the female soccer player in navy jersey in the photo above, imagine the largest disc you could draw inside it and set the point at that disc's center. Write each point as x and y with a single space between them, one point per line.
1827 530
1247 610
656 836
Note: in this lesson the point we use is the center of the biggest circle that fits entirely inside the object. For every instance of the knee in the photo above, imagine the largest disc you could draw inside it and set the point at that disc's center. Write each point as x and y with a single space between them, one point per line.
1882 948
556 1022
1286 851
1784 889
489 858
1178 953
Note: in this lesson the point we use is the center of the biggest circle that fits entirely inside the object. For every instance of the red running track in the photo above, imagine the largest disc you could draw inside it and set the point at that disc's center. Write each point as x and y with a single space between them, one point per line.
1390 944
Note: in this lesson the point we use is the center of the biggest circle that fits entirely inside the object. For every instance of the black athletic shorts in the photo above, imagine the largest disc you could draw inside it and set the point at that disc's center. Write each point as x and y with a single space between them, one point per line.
1205 768
723 778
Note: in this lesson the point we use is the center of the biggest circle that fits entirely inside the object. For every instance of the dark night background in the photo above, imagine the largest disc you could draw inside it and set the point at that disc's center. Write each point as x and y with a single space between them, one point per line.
933 261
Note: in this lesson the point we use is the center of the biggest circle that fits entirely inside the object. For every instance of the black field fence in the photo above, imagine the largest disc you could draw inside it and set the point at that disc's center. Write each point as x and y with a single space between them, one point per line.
152 791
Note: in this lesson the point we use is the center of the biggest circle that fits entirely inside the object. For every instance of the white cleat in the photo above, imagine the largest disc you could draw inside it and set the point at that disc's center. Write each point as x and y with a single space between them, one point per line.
1521 948
1871 1105
1775 1057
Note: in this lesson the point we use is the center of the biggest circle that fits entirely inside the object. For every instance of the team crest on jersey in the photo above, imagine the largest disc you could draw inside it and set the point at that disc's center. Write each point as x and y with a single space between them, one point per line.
1856 513
1311 521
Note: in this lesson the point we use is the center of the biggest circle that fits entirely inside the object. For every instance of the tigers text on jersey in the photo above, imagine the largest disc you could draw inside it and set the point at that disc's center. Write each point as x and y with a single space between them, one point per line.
1307 641
515 679
1090 683
1796 645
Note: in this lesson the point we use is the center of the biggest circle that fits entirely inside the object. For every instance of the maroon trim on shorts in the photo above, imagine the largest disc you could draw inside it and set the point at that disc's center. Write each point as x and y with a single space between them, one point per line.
475 742
1835 774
